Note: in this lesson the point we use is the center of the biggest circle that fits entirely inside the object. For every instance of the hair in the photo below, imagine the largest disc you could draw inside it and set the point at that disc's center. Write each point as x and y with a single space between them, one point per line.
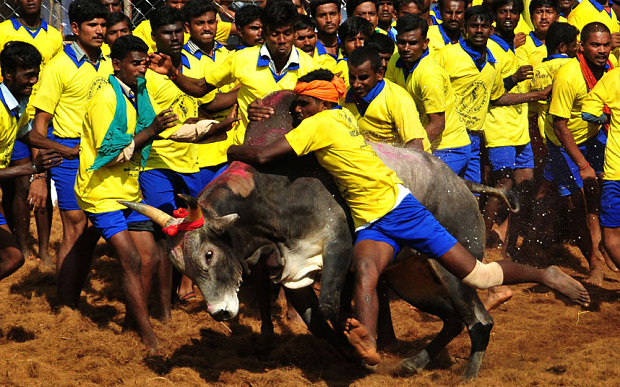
535 4
126 44
302 22
361 55
317 75
117 17
314 4
247 15
353 26
278 13
440 3
401 3
407 23
478 11
592 28
18 54
197 8
380 42
164 16
560 33
352 4
517 4
81 11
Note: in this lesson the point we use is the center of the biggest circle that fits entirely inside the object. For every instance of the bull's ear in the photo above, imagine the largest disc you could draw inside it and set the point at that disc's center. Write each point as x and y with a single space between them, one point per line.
221 223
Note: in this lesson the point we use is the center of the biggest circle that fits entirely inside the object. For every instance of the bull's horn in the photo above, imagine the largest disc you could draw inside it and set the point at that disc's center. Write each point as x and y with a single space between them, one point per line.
194 211
156 215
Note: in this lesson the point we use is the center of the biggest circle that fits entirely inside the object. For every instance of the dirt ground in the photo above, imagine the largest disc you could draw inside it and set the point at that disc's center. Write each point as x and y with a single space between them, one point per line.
539 339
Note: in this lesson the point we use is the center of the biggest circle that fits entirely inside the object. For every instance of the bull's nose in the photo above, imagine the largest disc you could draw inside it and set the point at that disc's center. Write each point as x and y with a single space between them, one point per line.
222 315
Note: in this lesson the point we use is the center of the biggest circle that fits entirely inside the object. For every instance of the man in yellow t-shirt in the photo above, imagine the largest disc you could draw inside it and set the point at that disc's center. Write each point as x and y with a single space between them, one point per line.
20 70
353 34
117 25
275 65
449 30
576 147
65 85
327 17
247 21
605 96
104 178
543 14
386 215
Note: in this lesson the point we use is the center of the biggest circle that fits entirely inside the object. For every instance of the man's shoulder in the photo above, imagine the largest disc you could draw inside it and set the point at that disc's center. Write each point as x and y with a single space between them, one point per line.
569 70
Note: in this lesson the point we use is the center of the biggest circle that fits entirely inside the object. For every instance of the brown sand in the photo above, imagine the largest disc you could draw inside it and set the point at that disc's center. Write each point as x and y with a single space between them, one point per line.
539 339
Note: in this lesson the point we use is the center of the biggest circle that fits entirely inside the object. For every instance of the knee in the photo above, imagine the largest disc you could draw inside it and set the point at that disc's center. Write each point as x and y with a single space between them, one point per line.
366 272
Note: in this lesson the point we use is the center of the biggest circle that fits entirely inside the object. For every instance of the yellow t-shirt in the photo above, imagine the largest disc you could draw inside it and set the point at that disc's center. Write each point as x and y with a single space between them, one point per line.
391 115
47 39
506 125
525 23
10 122
252 72
336 64
567 94
98 191
64 90
144 31
606 93
532 52
367 185
543 77
475 88
432 92
196 66
437 38
168 154
589 11
395 71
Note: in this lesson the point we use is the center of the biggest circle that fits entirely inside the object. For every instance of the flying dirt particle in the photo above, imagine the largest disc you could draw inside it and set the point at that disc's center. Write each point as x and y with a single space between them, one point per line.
19 334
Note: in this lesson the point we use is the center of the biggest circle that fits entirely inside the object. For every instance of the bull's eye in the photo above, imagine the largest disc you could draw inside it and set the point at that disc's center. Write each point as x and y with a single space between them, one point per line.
208 257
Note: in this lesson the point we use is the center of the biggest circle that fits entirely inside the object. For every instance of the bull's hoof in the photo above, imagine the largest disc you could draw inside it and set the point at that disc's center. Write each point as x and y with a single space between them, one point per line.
417 363
329 311
473 366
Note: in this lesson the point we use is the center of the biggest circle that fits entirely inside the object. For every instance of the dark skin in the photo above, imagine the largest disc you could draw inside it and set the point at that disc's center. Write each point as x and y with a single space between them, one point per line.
411 46
116 31
327 20
386 14
252 33
363 79
507 18
113 5
370 258
596 52
542 18
453 18
350 43
29 13
202 31
305 40
368 11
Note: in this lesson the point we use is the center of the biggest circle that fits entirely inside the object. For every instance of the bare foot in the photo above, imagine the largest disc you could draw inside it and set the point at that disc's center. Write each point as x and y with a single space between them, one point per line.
596 275
496 296
556 279
358 336
608 261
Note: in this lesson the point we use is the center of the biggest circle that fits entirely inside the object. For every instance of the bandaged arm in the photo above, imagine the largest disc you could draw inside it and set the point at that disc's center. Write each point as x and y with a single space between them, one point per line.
485 275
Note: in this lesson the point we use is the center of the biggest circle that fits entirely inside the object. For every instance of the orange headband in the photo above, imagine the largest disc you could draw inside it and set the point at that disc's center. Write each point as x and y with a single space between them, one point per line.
326 91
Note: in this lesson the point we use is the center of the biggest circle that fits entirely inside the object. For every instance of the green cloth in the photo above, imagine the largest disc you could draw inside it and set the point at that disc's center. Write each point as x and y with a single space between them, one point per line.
116 138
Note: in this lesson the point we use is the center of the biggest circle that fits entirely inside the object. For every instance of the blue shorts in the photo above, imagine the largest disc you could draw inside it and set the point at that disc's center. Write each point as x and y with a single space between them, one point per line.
209 173
473 172
113 222
456 158
547 170
610 204
161 186
2 220
64 176
20 151
511 157
410 224
566 173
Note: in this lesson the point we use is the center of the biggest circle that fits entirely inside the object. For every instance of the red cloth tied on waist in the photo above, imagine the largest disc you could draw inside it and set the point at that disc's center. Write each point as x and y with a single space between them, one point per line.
590 78
323 90
172 230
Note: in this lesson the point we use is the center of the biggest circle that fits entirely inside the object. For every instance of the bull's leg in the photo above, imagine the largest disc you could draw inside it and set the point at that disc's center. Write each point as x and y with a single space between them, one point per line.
336 262
385 330
451 328
305 302
264 295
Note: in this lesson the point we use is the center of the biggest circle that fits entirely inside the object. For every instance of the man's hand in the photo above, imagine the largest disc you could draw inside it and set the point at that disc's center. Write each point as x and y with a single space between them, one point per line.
161 63
544 94
519 40
46 159
71 153
523 73
587 174
37 195
257 111
164 120
615 40
232 117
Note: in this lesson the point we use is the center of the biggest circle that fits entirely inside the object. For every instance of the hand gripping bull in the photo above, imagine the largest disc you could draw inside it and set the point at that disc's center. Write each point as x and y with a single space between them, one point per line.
289 221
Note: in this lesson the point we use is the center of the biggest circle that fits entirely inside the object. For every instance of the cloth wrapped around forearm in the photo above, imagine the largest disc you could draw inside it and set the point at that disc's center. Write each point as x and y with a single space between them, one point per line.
193 132
125 154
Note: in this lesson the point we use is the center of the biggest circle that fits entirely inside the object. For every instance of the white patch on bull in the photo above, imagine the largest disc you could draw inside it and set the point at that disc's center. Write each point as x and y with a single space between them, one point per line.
300 262
229 304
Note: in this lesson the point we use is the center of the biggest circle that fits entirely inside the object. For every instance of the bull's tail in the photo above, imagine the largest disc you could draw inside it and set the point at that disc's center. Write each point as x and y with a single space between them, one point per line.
507 196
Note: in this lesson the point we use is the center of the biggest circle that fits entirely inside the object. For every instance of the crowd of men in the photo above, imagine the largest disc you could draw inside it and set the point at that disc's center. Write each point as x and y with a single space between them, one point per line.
513 95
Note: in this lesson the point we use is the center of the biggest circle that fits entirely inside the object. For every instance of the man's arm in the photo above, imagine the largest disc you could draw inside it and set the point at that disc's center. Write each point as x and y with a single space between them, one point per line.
560 128
222 101
162 64
45 160
37 137
509 99
416 143
436 125
260 154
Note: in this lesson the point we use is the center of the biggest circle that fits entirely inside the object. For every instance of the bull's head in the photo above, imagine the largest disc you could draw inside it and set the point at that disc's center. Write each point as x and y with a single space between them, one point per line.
202 254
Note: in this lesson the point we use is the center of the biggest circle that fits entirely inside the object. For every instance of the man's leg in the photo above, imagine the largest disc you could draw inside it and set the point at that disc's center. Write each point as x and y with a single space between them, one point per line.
11 257
43 219
21 210
164 278
610 219
70 260
370 258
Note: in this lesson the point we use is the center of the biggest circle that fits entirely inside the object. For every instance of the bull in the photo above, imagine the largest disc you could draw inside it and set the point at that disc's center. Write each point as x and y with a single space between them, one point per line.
289 220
